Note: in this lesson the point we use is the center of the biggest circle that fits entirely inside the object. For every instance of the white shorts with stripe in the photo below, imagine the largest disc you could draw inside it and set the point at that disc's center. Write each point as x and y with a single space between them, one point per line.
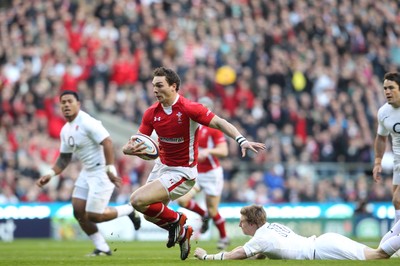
177 181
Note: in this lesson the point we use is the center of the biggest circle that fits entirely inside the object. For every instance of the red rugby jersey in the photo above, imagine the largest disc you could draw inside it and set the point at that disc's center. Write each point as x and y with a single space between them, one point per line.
177 130
209 138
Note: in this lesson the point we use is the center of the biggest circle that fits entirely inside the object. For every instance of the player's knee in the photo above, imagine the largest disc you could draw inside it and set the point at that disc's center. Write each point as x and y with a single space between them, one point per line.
137 202
79 215
182 203
95 217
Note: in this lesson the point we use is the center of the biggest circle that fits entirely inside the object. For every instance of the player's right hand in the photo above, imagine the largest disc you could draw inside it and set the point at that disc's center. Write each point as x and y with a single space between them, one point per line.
376 172
132 147
43 180
199 253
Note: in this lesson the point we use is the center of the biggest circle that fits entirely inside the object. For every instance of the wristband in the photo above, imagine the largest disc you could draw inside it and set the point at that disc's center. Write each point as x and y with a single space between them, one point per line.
51 173
241 140
219 256
111 169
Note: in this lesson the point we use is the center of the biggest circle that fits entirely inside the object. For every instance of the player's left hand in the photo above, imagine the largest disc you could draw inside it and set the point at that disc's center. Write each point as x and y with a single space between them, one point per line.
254 146
200 253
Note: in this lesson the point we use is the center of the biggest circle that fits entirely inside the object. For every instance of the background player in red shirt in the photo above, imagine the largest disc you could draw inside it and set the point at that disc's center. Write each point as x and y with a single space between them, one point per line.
212 145
176 121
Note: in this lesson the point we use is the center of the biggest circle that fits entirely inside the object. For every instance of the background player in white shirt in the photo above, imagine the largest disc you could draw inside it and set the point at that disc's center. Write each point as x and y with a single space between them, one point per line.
212 146
176 121
87 138
389 123
277 241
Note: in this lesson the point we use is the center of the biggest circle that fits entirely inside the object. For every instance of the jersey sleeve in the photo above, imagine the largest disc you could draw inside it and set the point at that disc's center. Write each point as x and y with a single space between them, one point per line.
381 129
199 113
253 247
96 130
64 147
146 127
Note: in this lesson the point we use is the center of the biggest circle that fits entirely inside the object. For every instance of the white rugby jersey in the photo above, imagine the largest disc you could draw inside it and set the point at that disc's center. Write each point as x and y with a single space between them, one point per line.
83 137
389 123
277 241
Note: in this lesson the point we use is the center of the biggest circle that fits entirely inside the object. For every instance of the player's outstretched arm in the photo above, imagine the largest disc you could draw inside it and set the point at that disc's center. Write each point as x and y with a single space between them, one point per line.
237 254
231 131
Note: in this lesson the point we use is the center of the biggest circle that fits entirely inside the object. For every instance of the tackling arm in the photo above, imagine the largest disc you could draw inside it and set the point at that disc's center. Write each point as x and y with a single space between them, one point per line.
236 254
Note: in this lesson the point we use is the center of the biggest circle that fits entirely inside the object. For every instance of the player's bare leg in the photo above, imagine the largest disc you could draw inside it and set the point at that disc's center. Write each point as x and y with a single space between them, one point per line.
151 200
212 203
90 228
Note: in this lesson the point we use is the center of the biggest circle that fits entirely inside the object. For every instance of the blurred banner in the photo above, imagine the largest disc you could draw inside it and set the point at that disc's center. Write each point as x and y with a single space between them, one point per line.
44 220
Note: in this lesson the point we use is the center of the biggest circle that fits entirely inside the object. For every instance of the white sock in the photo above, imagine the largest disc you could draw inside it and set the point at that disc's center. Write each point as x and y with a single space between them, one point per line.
395 230
99 242
391 245
124 210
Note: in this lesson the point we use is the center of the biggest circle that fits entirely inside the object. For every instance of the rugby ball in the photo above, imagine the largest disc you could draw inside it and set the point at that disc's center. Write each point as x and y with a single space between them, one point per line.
152 150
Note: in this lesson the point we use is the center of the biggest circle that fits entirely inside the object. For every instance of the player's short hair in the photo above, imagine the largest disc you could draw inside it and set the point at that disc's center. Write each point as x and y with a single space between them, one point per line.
254 214
393 76
74 93
170 76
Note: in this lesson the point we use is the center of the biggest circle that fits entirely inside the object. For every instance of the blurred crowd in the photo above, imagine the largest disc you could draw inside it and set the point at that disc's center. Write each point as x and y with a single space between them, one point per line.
302 76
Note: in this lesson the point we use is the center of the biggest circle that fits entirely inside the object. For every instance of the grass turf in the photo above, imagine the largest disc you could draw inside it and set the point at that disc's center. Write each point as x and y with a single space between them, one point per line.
43 252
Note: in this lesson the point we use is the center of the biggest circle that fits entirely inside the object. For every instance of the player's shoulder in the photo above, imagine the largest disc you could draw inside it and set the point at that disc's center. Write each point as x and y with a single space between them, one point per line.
384 110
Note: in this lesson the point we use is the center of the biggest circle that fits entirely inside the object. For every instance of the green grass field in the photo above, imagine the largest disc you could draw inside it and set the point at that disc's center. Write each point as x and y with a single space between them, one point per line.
50 252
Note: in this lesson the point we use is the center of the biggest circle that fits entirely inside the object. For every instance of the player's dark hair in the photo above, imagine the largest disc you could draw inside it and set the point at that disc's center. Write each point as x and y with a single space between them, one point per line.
170 76
393 76
74 93
254 214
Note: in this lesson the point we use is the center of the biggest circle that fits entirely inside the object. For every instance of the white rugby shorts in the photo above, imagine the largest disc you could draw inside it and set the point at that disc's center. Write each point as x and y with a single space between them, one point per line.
333 246
95 187
212 182
177 181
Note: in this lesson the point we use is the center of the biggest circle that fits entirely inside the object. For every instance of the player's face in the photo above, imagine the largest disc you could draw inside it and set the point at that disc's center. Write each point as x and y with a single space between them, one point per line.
247 228
392 92
69 106
164 93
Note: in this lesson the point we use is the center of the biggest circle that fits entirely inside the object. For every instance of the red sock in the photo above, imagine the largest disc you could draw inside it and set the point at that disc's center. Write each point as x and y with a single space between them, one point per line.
219 222
193 206
161 212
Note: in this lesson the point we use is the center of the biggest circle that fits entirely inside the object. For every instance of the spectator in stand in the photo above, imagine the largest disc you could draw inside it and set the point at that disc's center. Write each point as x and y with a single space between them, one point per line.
272 45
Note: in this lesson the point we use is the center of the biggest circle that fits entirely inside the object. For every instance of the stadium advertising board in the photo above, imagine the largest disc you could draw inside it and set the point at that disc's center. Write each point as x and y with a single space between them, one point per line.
56 220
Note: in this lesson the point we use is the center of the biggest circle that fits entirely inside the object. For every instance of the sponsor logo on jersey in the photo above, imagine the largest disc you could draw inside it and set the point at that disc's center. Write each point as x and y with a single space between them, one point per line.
172 140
